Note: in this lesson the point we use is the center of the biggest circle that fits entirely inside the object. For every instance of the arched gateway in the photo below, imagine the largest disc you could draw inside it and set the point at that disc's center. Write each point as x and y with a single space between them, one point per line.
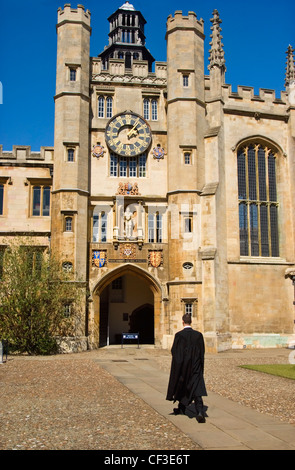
127 299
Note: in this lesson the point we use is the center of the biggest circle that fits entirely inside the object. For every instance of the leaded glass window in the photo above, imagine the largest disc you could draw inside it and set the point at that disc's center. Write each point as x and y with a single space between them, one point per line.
105 107
128 167
258 204
109 107
142 166
73 74
123 166
114 165
46 201
132 166
41 201
150 109
188 309
185 80
146 109
36 200
71 154
101 107
68 224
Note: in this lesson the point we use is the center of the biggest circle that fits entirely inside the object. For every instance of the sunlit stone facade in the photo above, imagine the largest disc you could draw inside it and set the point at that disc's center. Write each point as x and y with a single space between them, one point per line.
169 191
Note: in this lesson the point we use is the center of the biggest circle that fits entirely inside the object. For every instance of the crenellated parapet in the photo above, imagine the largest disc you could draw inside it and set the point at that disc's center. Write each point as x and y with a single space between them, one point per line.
189 22
247 93
73 15
245 101
22 153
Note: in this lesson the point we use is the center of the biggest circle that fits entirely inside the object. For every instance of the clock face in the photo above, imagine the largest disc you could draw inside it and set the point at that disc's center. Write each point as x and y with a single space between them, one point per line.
128 134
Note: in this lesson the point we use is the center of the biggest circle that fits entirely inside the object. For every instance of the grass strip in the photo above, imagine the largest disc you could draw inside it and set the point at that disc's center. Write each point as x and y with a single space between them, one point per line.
281 370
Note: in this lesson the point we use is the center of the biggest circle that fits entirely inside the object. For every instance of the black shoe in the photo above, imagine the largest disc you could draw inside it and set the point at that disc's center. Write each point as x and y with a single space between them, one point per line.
179 411
200 418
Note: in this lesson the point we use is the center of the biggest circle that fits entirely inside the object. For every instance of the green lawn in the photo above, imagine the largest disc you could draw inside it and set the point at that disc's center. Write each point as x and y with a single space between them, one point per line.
282 370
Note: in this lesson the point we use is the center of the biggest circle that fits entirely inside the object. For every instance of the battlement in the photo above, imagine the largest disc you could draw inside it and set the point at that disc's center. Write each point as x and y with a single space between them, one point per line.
23 153
72 15
246 93
185 22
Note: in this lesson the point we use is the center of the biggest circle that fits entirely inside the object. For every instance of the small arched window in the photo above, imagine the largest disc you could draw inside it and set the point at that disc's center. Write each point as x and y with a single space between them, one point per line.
146 108
68 224
258 204
101 106
150 109
70 155
105 107
154 110
109 112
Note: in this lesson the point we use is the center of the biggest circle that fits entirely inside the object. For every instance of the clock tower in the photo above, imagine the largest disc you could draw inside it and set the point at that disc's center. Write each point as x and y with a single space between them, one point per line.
128 202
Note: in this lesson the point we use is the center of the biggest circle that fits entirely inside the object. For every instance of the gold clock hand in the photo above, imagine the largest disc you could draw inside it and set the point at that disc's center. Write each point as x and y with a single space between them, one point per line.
132 131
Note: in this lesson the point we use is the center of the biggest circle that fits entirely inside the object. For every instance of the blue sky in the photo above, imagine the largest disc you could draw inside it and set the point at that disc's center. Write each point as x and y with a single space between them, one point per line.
256 35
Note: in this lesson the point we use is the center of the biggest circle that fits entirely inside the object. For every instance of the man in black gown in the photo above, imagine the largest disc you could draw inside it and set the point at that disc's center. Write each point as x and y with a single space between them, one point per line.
186 382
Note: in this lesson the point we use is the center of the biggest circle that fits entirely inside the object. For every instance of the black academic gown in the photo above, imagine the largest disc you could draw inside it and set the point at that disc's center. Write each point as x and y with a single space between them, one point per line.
187 368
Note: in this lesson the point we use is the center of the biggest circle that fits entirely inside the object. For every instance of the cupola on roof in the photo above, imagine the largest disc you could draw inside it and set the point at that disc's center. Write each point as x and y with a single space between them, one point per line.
127 6
126 38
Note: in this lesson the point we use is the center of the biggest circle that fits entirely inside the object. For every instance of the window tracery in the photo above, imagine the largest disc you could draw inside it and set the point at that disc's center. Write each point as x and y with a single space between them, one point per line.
258 203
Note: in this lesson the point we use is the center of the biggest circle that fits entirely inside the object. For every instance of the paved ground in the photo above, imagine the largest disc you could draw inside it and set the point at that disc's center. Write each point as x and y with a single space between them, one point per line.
114 399
229 425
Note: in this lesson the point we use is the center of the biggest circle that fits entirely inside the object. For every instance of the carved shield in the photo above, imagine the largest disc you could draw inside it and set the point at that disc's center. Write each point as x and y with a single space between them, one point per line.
99 258
155 258
127 250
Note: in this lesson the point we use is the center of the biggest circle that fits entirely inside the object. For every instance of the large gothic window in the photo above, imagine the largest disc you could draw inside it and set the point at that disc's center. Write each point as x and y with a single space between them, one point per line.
258 204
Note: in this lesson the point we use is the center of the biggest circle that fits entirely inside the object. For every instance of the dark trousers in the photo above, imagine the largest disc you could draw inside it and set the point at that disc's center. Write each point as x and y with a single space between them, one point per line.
199 405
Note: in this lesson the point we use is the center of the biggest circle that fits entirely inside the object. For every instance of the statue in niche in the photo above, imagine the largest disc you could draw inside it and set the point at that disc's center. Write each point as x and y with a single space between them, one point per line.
129 224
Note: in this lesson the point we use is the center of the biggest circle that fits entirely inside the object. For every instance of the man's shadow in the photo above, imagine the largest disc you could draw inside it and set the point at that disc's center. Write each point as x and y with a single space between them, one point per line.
190 411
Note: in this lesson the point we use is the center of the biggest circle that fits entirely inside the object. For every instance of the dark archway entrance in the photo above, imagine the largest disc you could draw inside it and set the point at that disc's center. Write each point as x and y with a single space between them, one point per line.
125 299
142 322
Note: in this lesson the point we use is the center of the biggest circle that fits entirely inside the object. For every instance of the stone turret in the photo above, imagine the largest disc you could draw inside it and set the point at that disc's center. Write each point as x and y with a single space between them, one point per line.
186 107
185 136
71 142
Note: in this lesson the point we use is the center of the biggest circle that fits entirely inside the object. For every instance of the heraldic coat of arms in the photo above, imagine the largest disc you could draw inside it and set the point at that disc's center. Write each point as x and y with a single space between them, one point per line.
99 258
155 258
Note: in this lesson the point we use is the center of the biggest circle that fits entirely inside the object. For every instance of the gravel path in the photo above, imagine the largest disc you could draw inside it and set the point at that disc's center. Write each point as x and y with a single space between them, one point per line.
69 402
